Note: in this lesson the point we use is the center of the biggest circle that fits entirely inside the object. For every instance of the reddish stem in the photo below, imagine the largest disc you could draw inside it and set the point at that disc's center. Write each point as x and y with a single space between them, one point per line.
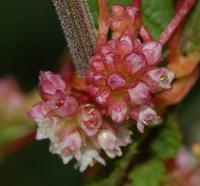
145 34
166 34
103 24
137 3
138 17
174 41
18 144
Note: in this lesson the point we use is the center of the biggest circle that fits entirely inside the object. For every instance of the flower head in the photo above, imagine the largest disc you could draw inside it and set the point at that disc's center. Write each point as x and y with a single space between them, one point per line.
124 74
73 125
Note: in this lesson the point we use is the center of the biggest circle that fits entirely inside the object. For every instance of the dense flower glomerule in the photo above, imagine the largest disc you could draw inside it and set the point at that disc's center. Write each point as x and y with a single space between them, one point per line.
73 123
122 78
124 75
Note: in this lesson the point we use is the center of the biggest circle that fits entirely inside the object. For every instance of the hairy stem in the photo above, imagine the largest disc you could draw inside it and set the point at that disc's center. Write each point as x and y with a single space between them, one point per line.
78 29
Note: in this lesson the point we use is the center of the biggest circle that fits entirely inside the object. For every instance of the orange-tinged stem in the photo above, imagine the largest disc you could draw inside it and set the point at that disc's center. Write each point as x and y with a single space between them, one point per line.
103 24
184 66
145 34
178 91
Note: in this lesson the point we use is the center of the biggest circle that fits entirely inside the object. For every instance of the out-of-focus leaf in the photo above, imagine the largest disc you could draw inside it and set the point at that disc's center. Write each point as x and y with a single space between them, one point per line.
16 129
191 34
156 13
168 140
189 115
13 131
150 173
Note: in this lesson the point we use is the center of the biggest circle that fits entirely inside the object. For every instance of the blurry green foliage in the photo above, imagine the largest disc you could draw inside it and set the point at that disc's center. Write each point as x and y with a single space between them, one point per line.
169 139
191 34
189 115
150 173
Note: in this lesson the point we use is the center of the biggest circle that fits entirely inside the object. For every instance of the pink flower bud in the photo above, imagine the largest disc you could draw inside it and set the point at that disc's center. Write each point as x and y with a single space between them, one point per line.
49 84
110 61
116 81
103 96
139 94
134 63
97 64
46 123
116 23
71 139
99 80
90 119
88 156
152 51
109 143
38 112
145 115
117 10
125 44
118 111
159 79
66 106
131 12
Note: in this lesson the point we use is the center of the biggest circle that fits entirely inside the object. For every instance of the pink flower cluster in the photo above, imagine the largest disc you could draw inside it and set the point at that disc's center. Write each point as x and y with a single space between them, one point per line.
121 80
74 124
124 75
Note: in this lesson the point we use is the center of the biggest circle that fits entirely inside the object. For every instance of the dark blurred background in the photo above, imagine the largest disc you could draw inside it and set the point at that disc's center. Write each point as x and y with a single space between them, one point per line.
30 40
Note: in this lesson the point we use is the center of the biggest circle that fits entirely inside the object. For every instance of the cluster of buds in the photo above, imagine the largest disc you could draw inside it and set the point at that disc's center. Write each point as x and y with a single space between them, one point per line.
122 77
73 124
123 74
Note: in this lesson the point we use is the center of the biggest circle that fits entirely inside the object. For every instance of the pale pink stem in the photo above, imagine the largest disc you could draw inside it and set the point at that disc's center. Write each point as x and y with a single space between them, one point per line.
145 34
137 3
103 24
174 41
138 19
166 34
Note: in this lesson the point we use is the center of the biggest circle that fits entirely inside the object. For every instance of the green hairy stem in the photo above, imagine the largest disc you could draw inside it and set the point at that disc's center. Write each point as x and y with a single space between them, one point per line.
78 29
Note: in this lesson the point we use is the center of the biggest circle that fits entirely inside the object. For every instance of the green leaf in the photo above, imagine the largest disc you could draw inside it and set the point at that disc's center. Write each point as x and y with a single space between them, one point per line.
13 131
168 140
150 173
156 13
191 34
